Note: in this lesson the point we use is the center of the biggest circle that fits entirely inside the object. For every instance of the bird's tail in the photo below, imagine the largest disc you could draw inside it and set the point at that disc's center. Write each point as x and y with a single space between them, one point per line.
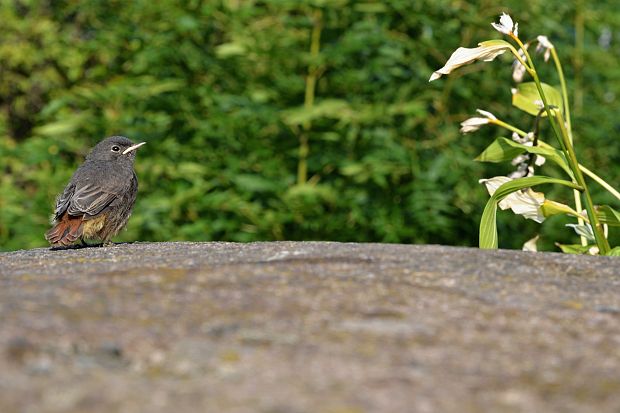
66 231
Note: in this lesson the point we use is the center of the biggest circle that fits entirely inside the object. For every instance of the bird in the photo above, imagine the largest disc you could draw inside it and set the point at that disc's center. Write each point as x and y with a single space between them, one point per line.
98 200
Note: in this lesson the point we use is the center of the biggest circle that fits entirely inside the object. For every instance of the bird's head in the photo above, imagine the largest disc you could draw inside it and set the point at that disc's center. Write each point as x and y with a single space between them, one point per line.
115 148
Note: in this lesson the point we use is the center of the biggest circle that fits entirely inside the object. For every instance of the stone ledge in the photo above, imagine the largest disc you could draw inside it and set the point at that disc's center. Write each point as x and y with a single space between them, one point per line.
307 327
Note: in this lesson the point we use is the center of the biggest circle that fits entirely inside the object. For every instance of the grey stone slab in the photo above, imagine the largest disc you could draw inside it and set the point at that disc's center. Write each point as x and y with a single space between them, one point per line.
307 327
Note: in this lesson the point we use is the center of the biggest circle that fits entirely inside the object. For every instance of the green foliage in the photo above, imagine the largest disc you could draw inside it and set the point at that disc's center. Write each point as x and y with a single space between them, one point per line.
218 90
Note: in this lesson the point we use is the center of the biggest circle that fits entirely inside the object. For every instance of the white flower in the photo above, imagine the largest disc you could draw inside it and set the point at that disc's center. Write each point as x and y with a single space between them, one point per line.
530 245
487 114
486 51
544 44
523 160
518 70
529 138
506 25
523 170
540 160
493 183
524 202
473 124
527 202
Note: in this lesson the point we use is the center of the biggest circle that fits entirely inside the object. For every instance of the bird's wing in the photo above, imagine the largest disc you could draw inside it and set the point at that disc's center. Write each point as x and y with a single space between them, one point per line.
91 199
62 202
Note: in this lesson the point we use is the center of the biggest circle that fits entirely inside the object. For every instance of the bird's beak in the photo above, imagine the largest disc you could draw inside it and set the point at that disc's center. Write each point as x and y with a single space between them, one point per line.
133 148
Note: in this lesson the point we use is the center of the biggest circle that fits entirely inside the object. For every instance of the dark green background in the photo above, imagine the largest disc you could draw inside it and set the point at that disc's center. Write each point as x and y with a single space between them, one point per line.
218 90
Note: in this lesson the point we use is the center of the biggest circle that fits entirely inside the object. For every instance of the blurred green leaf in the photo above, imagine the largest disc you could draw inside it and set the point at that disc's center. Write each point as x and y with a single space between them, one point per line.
330 108
230 49
608 215
575 248
255 183
61 128
503 149
528 99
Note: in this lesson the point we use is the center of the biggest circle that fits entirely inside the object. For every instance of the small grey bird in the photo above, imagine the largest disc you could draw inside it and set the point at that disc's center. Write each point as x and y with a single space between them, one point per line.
97 202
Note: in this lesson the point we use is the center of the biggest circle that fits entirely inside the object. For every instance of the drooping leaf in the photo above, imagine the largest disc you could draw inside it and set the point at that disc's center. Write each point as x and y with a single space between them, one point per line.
615 252
486 51
488 225
527 97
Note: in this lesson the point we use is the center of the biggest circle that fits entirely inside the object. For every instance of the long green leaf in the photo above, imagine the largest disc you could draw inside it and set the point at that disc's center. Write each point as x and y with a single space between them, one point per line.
503 149
488 225
615 252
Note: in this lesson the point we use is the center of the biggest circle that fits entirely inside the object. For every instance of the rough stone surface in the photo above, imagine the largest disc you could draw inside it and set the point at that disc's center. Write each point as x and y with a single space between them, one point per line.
307 327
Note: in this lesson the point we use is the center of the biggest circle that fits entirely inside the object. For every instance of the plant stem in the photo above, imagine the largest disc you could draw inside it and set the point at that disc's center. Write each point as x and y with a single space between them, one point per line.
578 54
561 134
508 126
597 228
558 67
600 181
310 92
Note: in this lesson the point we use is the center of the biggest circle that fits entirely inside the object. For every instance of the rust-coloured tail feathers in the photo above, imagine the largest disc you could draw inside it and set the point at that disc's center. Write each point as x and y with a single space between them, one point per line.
66 231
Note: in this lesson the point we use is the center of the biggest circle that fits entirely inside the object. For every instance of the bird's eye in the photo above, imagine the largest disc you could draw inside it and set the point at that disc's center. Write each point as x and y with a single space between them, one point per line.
116 148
